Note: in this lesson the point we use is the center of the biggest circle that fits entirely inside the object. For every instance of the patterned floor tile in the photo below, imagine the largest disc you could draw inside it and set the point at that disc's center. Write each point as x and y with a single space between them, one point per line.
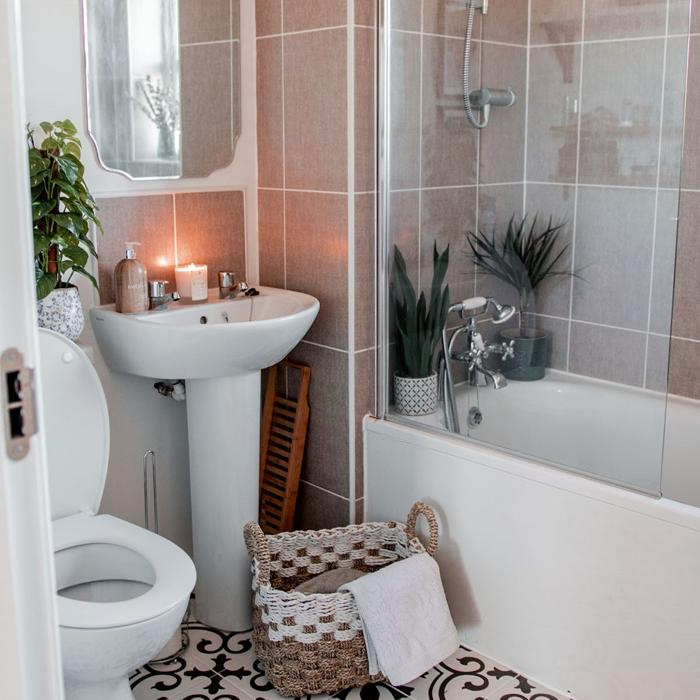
221 665
373 691
467 675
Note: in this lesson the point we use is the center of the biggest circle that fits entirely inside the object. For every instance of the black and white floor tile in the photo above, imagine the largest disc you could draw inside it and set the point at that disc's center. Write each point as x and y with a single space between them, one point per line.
222 666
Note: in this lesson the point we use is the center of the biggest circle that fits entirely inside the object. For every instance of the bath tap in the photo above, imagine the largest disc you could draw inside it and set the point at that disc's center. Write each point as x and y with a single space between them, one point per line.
477 351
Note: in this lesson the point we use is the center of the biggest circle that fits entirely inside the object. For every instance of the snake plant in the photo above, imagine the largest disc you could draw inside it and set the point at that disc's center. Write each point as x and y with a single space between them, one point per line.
419 324
524 258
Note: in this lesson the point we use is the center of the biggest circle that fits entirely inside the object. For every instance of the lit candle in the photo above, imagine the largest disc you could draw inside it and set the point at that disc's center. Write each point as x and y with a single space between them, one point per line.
191 282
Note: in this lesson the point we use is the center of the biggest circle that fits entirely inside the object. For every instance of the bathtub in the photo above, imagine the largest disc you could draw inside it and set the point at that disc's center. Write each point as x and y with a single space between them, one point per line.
598 428
586 587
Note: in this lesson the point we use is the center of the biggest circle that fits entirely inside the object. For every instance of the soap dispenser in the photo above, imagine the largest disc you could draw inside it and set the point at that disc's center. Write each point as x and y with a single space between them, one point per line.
130 283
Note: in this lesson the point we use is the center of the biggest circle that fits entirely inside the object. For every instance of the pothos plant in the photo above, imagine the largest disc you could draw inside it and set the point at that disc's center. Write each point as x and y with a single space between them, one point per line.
62 206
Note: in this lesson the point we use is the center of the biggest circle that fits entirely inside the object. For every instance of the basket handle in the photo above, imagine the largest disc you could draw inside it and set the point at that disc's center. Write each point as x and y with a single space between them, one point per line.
256 542
420 508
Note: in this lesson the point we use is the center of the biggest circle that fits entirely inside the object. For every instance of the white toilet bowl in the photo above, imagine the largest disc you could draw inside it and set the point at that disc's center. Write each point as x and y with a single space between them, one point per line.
121 590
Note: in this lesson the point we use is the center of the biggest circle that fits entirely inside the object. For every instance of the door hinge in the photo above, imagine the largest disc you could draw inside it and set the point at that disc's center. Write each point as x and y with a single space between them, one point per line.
18 403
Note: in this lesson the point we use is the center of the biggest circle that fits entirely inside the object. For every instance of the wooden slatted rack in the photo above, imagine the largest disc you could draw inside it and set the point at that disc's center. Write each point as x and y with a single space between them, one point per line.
284 426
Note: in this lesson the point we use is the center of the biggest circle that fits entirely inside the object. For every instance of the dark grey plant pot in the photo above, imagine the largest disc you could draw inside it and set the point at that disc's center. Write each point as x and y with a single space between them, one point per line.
531 355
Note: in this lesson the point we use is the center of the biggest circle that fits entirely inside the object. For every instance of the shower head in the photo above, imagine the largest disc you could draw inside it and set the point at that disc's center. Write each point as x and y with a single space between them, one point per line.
503 312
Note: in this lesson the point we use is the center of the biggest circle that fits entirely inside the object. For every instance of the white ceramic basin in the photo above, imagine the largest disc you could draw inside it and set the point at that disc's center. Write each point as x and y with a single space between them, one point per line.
219 348
220 338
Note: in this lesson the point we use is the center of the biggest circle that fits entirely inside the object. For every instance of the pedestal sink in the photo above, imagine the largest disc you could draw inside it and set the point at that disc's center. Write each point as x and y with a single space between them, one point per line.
219 348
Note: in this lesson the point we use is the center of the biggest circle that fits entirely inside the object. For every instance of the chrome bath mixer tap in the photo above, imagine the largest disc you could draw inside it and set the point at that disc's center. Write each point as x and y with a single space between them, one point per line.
476 353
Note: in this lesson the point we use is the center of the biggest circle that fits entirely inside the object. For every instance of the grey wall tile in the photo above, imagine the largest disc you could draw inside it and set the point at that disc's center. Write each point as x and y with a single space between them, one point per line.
686 318
556 22
684 370
406 14
271 237
449 143
661 309
405 116
315 110
365 266
502 155
366 13
616 19
270 111
317 509
674 104
658 353
204 20
365 111
607 353
317 260
620 112
327 453
146 219
506 22
313 14
211 230
545 201
552 121
445 18
447 214
404 229
268 17
614 239
691 142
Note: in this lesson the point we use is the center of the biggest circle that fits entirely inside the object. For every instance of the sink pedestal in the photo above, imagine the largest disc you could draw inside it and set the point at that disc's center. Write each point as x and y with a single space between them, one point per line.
223 417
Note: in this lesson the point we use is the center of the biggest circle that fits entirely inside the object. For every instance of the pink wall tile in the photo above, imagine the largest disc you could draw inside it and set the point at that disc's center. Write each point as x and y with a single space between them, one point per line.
315 109
313 14
270 110
268 17
211 230
148 220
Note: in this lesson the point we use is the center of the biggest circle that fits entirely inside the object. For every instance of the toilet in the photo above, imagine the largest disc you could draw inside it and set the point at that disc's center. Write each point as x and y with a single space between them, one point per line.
122 590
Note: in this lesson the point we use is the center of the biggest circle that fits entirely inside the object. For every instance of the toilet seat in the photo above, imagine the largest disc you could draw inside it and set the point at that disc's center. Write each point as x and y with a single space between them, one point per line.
174 572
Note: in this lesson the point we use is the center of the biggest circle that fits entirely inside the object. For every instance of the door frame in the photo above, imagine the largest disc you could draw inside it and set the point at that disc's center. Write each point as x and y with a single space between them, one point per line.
30 664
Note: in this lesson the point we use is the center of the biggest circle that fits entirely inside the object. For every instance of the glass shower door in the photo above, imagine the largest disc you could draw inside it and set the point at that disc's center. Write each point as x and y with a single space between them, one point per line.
580 178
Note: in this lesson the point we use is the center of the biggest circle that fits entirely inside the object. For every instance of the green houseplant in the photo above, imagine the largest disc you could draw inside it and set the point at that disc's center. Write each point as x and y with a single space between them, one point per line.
526 256
419 325
62 211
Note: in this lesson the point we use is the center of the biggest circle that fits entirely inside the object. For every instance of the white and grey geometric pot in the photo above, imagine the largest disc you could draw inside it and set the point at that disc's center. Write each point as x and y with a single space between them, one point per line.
61 311
416 397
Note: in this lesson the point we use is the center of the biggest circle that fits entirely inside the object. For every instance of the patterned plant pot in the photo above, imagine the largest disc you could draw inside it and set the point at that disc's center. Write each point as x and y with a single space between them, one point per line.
416 397
61 311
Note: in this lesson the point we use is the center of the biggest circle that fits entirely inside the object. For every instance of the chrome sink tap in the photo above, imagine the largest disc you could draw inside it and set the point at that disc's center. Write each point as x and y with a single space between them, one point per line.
476 353
229 289
158 298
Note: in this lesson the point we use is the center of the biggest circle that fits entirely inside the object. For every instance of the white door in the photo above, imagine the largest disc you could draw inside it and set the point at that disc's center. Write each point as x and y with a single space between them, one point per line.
30 666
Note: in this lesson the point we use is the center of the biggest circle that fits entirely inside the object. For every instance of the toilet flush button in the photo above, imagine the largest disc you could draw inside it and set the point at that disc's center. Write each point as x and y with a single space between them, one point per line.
68 357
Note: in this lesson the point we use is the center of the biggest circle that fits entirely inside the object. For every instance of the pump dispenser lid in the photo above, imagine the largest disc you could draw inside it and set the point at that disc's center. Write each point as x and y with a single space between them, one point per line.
130 252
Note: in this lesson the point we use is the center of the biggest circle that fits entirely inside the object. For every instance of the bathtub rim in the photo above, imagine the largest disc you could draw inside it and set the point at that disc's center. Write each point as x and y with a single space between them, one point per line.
551 476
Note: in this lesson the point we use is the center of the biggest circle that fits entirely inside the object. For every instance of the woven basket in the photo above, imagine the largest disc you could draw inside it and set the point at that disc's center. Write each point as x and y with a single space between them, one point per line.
309 644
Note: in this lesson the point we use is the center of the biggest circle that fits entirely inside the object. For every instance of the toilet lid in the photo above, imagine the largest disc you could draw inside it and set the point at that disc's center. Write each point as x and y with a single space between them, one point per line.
75 425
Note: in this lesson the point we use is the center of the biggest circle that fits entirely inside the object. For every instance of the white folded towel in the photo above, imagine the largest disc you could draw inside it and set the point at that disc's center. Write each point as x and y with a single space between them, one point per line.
406 622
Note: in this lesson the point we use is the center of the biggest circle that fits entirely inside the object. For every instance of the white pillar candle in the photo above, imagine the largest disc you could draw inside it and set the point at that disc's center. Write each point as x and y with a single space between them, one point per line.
191 282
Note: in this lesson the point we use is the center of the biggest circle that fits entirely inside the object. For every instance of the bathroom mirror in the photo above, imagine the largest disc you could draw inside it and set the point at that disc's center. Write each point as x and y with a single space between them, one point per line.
162 80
